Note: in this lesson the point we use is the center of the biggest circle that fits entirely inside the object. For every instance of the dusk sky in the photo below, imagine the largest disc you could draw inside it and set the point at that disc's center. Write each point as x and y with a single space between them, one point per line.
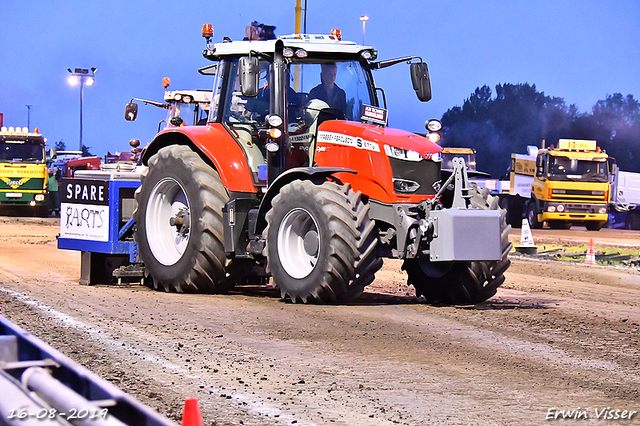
579 50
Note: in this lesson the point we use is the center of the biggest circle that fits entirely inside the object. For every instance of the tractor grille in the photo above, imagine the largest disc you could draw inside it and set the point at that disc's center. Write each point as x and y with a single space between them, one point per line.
424 172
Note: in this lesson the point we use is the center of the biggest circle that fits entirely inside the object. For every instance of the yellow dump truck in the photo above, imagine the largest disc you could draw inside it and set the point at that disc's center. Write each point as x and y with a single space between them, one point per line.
562 186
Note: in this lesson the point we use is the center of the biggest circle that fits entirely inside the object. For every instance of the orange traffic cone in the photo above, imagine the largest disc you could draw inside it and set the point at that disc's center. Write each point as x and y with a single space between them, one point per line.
590 259
191 415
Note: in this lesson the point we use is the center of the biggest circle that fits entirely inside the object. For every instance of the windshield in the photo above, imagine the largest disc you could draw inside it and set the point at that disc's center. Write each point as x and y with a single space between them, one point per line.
21 153
342 87
192 114
315 91
565 168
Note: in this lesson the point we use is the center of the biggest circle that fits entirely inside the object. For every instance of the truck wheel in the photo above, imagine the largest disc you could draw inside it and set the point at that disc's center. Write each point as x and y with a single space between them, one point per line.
633 220
179 222
594 226
460 283
320 242
514 211
532 216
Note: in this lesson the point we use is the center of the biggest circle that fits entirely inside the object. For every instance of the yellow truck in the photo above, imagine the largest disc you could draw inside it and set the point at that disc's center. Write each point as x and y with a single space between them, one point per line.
23 172
448 153
562 186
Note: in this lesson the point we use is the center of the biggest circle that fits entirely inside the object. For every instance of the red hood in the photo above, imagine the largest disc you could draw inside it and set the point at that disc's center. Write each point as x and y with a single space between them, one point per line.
383 135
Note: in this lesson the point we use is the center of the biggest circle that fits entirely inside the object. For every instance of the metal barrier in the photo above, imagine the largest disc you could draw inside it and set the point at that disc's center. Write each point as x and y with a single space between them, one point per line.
41 386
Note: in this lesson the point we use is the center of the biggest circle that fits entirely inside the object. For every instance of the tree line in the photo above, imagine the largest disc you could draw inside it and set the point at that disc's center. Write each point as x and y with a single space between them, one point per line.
518 115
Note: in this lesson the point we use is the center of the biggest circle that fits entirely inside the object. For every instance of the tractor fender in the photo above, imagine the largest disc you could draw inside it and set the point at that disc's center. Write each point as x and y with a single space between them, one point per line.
215 146
298 173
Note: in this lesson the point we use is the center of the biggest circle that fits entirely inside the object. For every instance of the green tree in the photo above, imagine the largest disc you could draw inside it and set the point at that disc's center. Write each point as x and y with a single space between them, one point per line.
616 124
518 116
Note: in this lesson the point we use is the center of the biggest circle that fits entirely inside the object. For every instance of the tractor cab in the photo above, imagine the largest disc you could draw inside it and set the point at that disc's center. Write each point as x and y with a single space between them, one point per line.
272 95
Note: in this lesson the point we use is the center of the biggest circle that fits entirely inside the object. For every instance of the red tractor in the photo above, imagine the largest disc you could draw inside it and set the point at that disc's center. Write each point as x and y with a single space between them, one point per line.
297 177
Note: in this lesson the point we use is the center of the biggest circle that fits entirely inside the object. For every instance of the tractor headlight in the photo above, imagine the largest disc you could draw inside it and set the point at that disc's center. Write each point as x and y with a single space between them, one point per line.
405 185
402 154
274 120
433 125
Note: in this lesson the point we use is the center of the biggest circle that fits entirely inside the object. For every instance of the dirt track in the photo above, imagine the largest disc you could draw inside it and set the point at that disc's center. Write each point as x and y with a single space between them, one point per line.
557 336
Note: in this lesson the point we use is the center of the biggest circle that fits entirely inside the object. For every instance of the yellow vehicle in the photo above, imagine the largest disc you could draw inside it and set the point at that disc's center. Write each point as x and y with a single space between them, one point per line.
23 172
561 186
448 153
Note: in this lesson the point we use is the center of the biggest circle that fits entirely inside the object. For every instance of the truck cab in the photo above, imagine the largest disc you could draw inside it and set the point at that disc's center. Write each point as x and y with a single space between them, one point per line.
23 172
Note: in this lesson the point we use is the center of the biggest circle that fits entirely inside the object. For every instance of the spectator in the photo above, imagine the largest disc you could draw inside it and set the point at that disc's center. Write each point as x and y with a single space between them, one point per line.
54 177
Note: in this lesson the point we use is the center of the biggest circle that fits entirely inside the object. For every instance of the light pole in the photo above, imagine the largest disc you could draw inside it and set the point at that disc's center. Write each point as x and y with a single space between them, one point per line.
28 116
82 76
364 19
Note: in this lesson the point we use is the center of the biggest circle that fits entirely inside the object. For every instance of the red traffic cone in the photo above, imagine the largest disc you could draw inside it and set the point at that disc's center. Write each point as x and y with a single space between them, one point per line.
590 259
191 415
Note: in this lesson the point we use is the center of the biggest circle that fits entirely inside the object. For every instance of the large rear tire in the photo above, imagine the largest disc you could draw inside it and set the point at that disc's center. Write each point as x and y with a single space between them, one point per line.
179 222
462 283
320 242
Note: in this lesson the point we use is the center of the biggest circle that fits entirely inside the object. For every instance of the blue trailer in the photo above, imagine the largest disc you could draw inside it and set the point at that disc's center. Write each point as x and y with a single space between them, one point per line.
96 209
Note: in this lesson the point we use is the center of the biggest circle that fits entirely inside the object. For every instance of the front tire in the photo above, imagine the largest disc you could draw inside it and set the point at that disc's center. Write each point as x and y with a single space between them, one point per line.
320 242
179 222
462 283
594 226
532 216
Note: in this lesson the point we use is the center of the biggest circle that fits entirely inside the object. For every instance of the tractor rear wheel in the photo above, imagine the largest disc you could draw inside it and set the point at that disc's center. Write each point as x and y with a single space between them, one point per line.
179 222
320 242
462 283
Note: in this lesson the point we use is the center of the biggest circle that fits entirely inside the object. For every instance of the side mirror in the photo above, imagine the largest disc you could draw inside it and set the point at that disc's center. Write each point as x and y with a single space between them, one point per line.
249 75
421 81
131 111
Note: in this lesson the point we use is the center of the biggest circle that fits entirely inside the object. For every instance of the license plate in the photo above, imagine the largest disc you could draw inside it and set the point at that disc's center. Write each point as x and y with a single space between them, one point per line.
14 195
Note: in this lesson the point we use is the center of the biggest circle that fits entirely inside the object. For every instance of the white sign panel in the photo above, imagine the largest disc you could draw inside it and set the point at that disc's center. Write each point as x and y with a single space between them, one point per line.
84 221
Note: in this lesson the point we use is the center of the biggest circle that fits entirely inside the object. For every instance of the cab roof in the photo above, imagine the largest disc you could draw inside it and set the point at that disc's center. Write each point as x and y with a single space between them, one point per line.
312 43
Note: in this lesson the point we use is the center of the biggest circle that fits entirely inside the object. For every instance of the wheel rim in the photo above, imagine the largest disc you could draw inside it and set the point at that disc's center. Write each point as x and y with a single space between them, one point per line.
298 243
167 241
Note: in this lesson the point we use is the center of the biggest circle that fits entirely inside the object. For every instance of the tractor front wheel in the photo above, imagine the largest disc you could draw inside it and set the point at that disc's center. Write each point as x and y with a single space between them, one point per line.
462 283
320 242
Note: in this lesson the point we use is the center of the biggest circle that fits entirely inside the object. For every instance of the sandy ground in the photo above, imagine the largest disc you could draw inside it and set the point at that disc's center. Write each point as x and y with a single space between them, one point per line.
558 339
